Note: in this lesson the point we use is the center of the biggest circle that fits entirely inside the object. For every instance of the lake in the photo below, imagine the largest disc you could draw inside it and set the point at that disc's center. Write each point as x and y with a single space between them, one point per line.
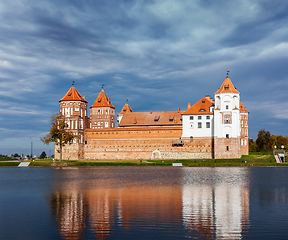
144 203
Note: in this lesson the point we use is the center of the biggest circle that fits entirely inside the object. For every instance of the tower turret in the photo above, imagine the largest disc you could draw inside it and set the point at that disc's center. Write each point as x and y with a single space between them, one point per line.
227 121
102 112
73 106
124 110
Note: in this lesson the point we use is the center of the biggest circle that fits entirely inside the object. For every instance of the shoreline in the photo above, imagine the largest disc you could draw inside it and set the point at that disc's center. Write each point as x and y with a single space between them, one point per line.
267 161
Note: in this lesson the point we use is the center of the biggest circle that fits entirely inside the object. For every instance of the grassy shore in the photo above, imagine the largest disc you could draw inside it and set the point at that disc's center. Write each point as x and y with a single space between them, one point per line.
253 159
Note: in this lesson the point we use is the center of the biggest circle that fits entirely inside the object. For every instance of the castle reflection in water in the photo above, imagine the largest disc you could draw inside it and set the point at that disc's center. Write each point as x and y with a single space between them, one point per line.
211 202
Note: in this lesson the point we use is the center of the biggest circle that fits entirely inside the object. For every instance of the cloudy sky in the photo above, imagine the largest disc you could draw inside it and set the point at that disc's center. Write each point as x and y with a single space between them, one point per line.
159 54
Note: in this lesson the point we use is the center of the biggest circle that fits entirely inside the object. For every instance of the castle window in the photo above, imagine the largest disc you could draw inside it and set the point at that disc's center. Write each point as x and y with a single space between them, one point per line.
199 125
191 117
227 119
227 136
199 117
227 148
207 124
207 117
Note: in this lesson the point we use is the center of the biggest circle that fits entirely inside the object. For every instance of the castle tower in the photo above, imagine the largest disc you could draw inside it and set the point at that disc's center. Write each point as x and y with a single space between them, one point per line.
244 130
227 121
102 112
124 110
73 106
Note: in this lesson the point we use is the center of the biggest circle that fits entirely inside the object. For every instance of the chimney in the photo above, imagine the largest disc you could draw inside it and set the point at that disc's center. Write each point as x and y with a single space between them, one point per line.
189 105
178 110
151 112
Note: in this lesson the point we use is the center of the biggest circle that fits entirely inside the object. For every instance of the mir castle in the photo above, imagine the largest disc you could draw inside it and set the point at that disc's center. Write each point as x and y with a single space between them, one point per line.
211 128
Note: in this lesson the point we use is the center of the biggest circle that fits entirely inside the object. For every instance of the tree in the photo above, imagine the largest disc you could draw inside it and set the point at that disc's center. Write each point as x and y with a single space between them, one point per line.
43 155
58 133
252 145
264 141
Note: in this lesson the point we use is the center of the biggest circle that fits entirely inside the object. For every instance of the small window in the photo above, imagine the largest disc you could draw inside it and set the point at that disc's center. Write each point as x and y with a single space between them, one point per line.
227 136
227 107
207 124
199 125
98 116
191 139
207 117
199 117
227 148
191 118
85 142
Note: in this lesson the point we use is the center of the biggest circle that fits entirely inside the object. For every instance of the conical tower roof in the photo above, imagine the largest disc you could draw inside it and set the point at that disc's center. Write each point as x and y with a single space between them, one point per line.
73 95
227 87
102 101
242 108
126 109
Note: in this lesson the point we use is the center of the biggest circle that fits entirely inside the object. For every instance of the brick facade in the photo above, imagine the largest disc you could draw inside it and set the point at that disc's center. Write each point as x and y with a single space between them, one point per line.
143 143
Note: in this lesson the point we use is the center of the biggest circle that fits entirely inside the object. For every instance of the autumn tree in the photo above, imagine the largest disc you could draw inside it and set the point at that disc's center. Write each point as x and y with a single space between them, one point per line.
252 145
264 141
59 134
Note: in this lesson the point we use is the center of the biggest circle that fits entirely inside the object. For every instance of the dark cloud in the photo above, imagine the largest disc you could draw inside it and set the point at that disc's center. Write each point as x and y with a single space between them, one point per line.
158 54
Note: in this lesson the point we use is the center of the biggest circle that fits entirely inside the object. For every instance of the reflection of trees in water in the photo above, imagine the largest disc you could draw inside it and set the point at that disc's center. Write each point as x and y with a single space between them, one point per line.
70 210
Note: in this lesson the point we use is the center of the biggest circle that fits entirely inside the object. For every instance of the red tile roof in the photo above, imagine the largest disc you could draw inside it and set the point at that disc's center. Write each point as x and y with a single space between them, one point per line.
102 101
227 87
242 108
126 109
73 95
201 107
131 119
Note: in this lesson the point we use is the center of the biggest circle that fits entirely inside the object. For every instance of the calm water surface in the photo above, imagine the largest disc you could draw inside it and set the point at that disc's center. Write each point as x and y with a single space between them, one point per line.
143 203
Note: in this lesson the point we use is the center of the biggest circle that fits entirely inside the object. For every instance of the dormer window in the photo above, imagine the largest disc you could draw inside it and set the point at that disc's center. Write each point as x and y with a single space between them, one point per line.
157 118
203 101
226 87
202 110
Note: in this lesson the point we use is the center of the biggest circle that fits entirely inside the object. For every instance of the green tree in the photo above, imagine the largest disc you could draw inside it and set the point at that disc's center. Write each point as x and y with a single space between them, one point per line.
264 141
59 134
252 145
43 155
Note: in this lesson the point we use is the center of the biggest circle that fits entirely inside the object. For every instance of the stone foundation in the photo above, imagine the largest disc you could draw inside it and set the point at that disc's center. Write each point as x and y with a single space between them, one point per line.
221 150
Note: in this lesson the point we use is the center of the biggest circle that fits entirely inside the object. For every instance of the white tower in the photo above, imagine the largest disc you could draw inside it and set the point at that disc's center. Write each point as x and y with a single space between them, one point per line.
227 121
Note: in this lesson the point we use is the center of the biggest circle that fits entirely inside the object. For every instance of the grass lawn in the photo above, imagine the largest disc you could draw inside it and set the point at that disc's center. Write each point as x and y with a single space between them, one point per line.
253 159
